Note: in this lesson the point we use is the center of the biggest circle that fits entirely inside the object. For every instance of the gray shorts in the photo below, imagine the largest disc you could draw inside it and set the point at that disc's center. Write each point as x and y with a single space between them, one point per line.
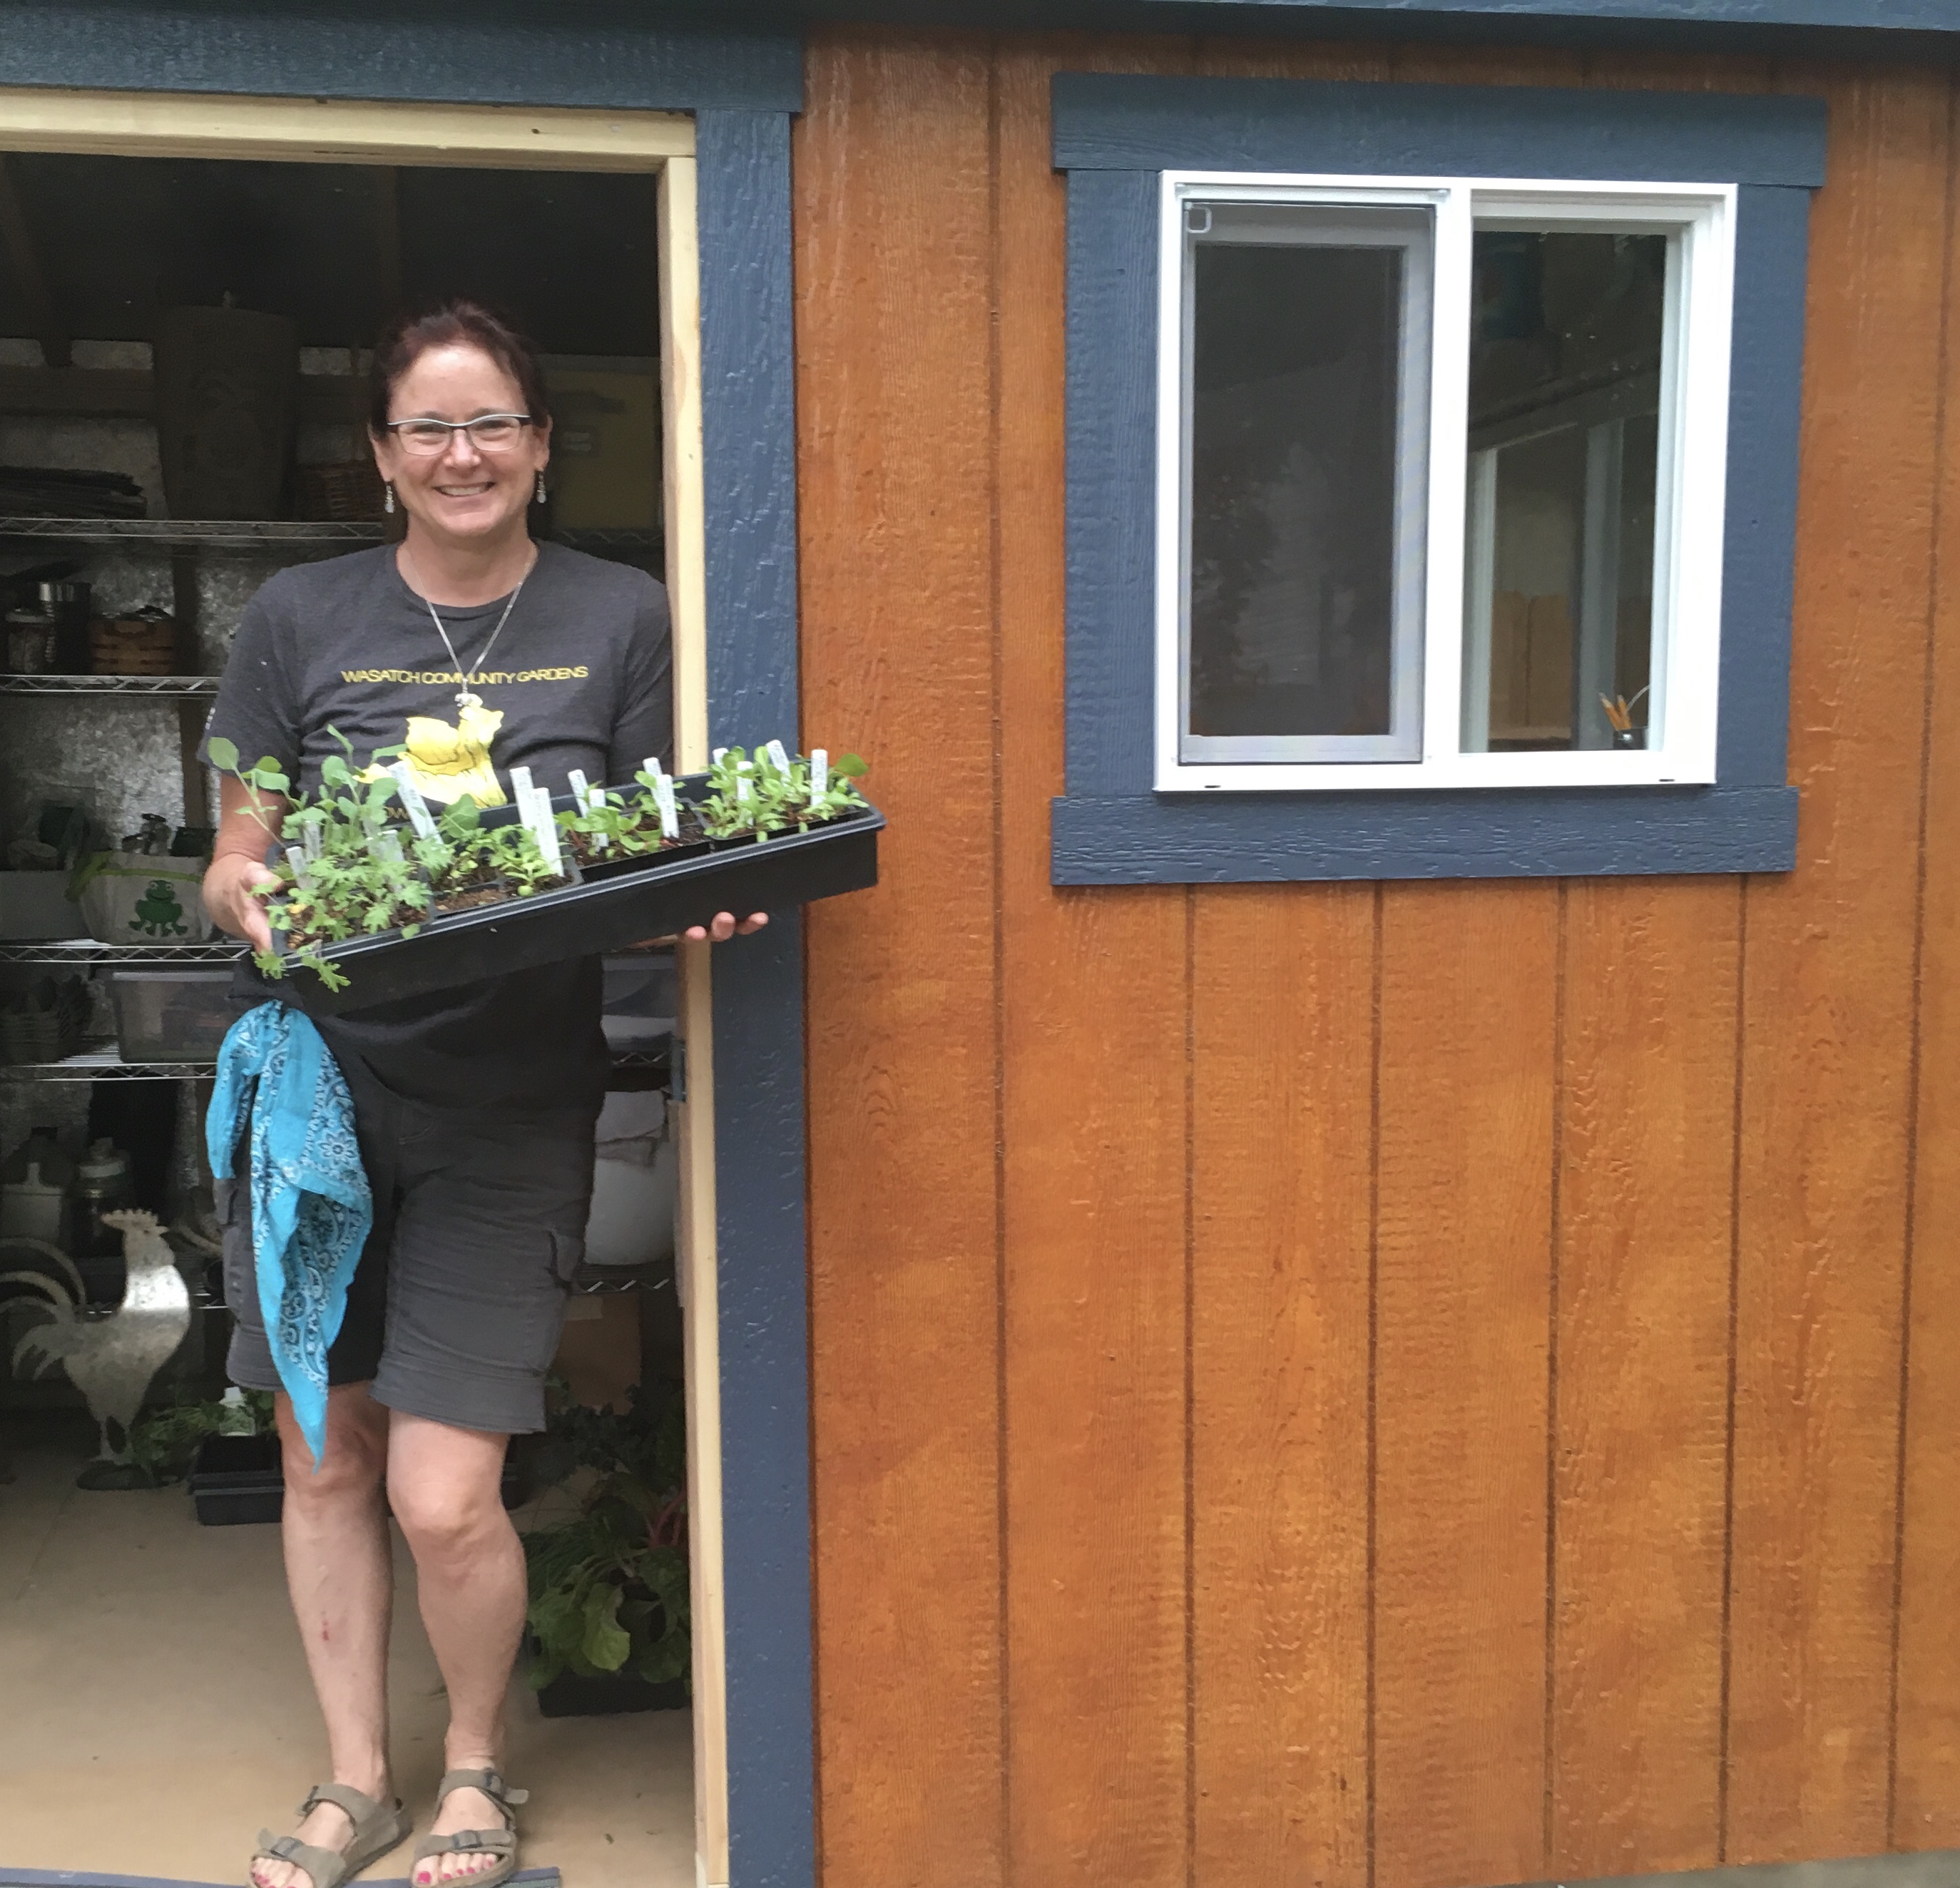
455 1306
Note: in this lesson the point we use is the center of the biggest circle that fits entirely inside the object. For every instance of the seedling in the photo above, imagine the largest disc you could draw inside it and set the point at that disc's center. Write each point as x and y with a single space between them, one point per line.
759 796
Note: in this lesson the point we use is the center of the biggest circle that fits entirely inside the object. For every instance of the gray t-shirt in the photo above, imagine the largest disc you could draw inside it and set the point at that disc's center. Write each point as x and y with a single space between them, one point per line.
578 677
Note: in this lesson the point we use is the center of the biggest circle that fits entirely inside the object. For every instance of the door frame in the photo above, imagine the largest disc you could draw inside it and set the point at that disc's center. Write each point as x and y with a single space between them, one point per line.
729 487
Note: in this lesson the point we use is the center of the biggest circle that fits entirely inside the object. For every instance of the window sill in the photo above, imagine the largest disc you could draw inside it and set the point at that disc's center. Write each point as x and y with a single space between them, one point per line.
1563 772
1183 838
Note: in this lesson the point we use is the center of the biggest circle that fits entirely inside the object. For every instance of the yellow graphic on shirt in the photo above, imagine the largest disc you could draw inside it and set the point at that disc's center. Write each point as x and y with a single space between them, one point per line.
447 763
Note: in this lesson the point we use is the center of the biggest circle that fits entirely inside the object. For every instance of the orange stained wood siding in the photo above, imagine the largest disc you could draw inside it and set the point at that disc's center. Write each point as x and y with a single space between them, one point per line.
1353 1386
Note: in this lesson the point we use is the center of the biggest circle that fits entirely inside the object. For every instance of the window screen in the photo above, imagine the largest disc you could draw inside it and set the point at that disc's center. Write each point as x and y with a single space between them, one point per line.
1306 388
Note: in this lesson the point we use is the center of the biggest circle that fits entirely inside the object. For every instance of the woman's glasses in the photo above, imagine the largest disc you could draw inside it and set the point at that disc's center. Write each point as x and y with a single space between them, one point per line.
491 432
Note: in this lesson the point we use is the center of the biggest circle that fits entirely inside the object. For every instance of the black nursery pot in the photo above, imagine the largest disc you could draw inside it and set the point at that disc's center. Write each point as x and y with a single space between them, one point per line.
611 908
570 1694
237 1479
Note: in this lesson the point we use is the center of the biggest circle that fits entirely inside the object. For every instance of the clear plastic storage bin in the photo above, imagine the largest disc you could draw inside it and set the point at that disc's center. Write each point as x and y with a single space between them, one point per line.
172 1016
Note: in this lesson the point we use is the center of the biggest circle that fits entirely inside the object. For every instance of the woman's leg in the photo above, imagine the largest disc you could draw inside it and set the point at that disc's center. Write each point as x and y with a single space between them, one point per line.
341 1577
443 1483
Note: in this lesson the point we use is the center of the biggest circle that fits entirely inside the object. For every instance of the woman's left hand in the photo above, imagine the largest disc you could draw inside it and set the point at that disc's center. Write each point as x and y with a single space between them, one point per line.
725 926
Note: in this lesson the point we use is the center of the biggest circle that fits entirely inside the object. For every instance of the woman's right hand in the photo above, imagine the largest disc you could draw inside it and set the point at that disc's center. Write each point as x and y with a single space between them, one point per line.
229 885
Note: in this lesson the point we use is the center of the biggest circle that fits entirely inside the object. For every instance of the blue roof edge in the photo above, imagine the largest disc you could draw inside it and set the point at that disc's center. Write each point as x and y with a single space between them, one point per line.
1870 28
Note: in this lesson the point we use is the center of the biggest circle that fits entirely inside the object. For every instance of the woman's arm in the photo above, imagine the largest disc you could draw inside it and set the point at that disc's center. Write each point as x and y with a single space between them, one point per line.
238 861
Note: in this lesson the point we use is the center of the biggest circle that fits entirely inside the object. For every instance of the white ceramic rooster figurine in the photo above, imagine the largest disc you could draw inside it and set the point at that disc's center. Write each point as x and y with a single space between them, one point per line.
112 1359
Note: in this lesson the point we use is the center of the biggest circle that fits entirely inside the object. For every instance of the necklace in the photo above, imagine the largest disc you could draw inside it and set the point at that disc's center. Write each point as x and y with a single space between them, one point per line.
464 697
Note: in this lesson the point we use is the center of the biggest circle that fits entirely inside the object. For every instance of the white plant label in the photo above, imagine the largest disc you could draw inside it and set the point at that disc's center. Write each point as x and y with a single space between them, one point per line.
387 846
663 796
718 753
779 757
741 788
297 860
588 799
310 840
544 827
819 774
412 799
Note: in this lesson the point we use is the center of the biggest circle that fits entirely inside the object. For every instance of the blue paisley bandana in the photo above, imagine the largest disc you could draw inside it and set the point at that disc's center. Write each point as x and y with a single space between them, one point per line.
311 1208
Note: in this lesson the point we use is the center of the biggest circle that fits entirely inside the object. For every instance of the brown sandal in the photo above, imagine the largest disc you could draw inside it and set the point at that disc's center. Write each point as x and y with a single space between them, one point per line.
377 1830
501 1842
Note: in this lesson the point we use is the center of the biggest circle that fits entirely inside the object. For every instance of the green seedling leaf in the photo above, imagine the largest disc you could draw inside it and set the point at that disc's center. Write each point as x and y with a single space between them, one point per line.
224 753
851 766
607 1643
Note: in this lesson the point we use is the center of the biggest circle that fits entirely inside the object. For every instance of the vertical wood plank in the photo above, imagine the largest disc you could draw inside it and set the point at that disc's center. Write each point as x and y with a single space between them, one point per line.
1927 1809
1469 1106
1640 1420
1282 1178
1827 1016
1646 1142
893 219
1469 977
1093 992
1282 1049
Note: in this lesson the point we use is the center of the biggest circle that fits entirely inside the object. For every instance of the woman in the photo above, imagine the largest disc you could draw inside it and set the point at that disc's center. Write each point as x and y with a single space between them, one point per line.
480 650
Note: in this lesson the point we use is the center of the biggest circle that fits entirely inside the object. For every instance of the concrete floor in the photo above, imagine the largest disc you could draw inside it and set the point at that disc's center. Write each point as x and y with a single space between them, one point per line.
154 1710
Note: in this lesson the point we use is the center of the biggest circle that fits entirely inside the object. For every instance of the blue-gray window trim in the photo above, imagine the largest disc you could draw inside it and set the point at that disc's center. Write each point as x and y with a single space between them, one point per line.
742 88
1113 135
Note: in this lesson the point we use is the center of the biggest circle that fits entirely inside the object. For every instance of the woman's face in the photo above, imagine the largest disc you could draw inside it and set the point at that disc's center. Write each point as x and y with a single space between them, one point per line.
462 491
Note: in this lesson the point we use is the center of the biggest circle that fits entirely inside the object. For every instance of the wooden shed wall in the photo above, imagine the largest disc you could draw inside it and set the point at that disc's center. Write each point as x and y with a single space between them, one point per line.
1416 1385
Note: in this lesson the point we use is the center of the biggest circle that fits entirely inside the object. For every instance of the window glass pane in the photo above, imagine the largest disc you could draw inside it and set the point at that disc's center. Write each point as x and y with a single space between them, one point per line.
1565 373
1304 557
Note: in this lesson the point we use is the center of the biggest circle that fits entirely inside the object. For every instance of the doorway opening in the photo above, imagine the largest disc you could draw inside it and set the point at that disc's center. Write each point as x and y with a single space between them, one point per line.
160 1710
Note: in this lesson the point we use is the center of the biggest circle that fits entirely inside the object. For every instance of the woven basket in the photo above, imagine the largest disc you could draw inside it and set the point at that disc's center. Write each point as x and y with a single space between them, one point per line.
347 492
134 645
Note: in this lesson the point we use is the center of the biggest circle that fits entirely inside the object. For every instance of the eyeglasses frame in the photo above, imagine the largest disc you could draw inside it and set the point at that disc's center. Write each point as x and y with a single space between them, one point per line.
453 427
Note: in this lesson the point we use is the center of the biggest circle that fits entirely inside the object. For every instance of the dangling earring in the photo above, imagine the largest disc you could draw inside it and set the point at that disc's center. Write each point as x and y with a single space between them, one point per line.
388 498
541 487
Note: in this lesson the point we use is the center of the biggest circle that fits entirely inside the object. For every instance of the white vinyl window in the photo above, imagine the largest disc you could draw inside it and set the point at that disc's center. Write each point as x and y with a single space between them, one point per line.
1440 467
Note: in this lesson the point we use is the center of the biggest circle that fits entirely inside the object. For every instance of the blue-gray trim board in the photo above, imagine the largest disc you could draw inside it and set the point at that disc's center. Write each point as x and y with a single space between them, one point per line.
1113 135
1107 121
1132 839
749 462
573 53
742 86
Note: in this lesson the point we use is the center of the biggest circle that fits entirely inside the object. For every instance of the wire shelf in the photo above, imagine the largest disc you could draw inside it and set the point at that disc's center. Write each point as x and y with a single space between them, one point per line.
77 953
600 537
103 1063
269 533
152 687
606 1281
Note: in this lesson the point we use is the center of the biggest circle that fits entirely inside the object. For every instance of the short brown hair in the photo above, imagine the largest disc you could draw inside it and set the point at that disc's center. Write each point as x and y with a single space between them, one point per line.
455 323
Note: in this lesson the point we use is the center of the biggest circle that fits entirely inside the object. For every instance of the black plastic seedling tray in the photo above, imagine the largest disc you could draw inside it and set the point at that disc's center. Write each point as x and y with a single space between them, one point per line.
239 1480
615 907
